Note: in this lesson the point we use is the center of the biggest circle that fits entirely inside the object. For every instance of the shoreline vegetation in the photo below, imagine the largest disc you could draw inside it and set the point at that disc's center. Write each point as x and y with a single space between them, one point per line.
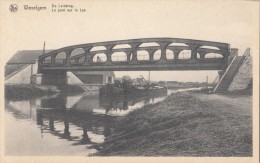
28 91
185 124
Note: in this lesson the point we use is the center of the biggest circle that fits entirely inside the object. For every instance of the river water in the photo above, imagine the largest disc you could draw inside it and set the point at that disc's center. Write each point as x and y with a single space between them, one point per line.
64 124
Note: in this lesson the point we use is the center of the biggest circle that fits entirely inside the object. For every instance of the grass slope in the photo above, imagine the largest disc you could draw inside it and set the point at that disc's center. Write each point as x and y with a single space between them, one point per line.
182 125
17 92
22 92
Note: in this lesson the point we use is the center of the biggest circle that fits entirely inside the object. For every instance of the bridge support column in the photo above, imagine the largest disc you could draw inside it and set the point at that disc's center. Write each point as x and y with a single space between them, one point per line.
176 54
202 55
87 56
163 52
194 51
108 54
53 60
128 56
68 55
151 53
134 48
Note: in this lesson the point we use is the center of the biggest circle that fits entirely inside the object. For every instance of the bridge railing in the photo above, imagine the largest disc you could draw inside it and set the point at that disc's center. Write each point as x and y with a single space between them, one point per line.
150 50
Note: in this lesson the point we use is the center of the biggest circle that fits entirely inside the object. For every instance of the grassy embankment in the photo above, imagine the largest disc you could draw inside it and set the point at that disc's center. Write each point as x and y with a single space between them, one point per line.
184 125
17 92
182 85
20 92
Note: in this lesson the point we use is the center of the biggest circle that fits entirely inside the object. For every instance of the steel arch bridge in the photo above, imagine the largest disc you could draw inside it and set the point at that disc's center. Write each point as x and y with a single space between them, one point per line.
89 58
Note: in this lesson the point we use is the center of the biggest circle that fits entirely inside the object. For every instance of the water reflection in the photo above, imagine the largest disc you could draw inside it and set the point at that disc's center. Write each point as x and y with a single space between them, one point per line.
73 121
122 104
83 119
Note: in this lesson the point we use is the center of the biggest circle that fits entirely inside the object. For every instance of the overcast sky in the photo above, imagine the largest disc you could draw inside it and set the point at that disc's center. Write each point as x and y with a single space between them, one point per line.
229 22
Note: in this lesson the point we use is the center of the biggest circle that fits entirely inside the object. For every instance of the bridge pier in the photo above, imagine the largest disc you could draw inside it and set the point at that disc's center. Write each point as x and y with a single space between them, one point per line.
50 79
56 78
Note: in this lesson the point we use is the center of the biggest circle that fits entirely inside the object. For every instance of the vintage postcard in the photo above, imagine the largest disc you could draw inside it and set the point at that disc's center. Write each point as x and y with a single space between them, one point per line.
132 81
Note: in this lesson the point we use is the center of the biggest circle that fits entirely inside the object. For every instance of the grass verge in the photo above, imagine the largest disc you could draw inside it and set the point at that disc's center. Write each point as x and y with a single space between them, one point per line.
27 91
19 92
182 125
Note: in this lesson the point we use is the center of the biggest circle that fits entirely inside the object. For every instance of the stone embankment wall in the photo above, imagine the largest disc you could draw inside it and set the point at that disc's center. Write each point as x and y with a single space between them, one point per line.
73 80
244 76
21 76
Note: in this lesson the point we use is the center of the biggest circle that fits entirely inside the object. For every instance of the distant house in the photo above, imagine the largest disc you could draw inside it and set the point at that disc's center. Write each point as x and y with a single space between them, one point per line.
174 82
18 71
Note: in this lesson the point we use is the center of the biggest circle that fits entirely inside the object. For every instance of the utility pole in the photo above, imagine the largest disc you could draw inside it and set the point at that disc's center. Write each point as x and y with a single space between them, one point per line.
207 80
43 52
149 77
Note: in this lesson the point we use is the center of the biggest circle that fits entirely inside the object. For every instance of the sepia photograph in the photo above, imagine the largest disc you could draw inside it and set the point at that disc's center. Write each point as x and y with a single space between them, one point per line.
129 81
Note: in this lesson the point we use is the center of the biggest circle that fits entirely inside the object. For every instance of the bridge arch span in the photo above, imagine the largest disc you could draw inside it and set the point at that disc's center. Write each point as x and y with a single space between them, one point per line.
158 51
76 52
60 58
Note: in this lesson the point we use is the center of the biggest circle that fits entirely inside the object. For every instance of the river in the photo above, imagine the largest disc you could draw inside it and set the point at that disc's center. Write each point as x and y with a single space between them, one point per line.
64 124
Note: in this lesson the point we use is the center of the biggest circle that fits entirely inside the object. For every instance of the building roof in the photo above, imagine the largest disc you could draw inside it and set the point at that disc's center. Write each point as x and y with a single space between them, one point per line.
21 59
26 56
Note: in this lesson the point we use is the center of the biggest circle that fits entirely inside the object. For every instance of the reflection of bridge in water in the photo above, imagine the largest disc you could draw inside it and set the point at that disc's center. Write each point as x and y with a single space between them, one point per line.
86 122
75 118
79 125
160 54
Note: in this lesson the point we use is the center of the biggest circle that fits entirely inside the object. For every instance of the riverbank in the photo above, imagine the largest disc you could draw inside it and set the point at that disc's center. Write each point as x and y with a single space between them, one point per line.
27 91
185 124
